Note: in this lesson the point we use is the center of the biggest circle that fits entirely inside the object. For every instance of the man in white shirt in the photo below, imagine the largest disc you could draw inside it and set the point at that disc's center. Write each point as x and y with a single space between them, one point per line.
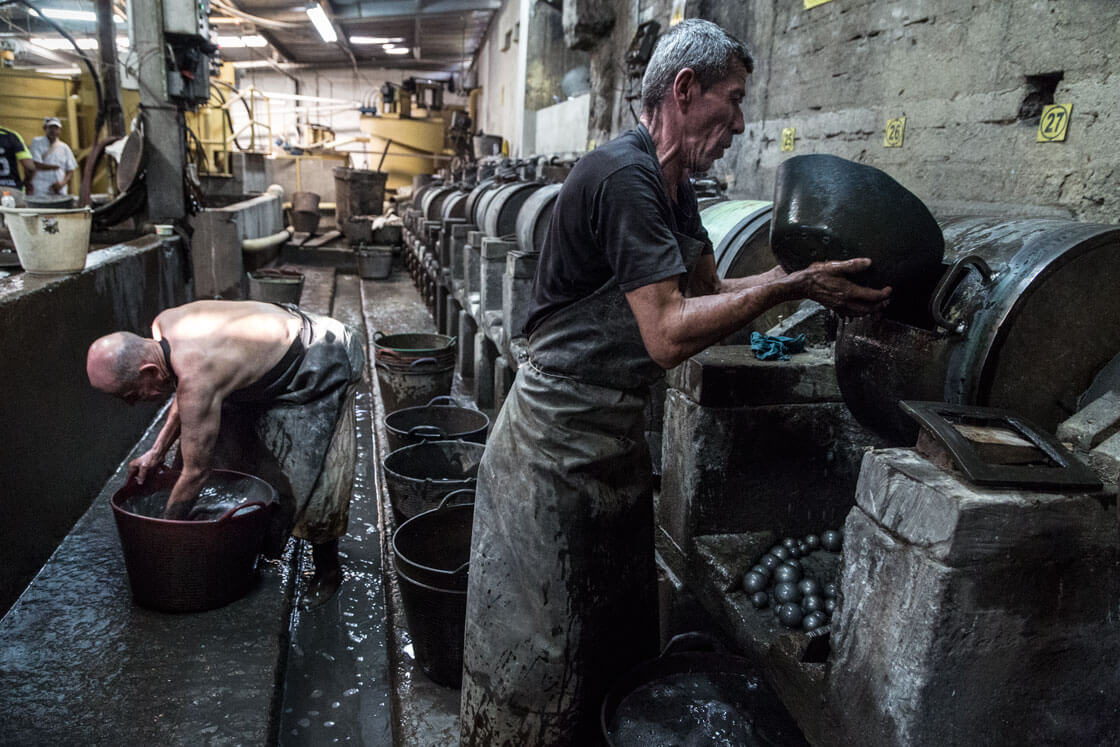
54 161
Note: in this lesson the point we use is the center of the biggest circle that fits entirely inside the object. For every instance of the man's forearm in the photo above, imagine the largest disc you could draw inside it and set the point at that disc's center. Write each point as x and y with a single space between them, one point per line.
170 430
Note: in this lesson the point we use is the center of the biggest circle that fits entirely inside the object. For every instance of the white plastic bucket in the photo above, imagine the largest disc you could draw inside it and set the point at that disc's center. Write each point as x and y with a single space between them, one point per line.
50 242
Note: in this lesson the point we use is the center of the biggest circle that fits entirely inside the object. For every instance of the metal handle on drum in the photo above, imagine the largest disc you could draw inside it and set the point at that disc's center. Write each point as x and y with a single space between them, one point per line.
443 400
418 361
451 495
432 432
692 641
248 504
949 282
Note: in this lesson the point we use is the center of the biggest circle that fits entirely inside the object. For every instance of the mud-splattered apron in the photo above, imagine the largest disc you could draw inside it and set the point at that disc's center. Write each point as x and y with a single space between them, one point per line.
562 594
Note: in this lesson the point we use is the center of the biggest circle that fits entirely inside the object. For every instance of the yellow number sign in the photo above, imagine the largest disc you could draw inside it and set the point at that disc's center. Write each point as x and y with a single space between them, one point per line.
787 139
1054 122
814 3
677 14
892 138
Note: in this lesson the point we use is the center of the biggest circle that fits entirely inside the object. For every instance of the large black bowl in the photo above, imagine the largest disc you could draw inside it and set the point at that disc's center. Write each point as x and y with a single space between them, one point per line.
829 208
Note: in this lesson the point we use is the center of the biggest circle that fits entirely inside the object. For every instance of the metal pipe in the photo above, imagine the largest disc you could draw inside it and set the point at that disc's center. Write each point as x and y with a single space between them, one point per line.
265 242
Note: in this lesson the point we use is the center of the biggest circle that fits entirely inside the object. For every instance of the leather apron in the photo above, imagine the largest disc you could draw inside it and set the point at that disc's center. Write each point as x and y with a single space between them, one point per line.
562 596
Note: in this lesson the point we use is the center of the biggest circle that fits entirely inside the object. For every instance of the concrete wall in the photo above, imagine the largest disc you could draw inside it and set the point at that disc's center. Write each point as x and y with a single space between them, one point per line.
965 75
61 438
560 128
501 74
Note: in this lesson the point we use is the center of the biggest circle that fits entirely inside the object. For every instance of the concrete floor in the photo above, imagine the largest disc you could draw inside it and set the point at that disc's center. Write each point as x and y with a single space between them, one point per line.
80 663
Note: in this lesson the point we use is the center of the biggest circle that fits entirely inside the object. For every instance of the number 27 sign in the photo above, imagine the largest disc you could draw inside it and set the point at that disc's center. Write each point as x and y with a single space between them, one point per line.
1053 123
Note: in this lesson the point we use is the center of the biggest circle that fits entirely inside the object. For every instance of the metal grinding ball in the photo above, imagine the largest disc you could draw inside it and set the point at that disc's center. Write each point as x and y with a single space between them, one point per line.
787 572
758 568
831 590
789 543
753 582
787 592
760 599
804 548
780 552
814 620
795 552
830 605
812 541
790 616
809 586
769 561
831 540
812 603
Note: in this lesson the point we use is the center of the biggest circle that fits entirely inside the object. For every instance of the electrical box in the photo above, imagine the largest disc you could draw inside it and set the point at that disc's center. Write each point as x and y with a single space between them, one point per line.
187 18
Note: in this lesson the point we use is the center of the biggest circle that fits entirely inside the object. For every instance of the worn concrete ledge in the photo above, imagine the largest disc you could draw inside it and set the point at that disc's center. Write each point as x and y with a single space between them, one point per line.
730 376
62 438
80 663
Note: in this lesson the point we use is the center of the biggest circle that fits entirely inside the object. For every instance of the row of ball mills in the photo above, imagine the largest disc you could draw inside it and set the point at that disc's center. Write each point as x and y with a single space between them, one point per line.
800 601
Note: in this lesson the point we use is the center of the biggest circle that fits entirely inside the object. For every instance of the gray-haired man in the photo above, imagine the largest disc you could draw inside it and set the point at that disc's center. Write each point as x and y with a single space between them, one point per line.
562 595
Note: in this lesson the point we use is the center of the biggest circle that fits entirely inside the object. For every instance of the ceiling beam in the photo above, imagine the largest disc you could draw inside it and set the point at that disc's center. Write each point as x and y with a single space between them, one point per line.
410 8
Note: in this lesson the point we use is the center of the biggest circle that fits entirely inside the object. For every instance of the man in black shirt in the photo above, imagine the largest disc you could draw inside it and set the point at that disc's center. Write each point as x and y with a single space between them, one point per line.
562 589
13 154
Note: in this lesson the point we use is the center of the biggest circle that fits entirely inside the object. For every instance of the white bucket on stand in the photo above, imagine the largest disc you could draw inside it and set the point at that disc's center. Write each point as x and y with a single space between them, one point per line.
50 242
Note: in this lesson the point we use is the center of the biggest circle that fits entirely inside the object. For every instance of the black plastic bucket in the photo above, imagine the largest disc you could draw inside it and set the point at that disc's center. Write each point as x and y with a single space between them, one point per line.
419 476
439 420
190 566
691 688
412 368
431 553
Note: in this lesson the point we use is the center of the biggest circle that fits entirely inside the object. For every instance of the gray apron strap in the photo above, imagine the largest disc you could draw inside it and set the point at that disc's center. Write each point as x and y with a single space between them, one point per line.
597 339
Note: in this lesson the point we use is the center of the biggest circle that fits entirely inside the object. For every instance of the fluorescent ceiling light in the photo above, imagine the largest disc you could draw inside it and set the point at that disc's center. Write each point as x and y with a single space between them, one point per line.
57 44
397 50
322 23
74 15
53 43
238 42
375 40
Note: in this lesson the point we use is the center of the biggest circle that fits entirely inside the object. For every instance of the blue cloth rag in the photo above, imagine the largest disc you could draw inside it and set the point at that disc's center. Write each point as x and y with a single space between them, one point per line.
767 348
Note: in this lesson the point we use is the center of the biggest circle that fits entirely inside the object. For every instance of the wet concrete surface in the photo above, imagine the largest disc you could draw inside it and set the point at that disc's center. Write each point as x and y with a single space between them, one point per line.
336 689
80 663
425 714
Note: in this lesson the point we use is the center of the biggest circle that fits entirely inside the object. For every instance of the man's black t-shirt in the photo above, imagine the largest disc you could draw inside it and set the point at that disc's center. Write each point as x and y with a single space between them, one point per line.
12 149
613 219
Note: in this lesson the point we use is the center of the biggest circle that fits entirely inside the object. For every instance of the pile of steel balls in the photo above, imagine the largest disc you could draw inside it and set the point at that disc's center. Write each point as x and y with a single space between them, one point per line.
779 578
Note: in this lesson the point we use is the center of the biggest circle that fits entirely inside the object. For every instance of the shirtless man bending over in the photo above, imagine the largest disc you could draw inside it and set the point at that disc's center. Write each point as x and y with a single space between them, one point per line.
258 387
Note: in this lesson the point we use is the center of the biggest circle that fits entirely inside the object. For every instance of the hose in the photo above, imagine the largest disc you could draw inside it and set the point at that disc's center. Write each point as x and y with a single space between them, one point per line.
265 242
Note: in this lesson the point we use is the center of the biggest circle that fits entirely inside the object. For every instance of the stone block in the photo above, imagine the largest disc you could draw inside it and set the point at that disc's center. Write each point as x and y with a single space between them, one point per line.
467 331
958 622
482 391
1092 424
958 523
1105 461
731 376
446 235
790 468
492 265
458 241
817 323
472 261
517 292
